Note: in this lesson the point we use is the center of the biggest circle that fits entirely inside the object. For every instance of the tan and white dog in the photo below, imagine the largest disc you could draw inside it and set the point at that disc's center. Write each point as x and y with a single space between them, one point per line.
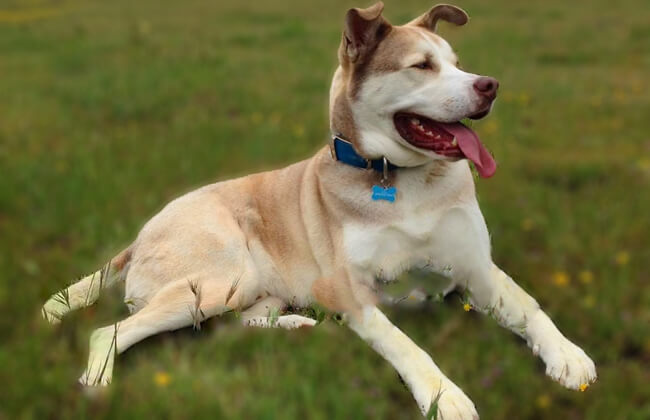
317 232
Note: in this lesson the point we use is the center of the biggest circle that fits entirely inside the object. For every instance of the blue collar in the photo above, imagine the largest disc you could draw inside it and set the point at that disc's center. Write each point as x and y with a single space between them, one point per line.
343 151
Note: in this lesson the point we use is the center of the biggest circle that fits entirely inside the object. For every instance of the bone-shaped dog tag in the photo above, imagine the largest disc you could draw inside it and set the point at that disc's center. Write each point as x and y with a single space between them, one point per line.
381 193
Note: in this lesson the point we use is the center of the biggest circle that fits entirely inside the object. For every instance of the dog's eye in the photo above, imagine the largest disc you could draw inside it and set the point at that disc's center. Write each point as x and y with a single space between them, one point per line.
425 65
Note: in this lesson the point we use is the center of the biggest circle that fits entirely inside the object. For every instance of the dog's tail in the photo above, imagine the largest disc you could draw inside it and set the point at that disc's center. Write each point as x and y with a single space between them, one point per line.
86 291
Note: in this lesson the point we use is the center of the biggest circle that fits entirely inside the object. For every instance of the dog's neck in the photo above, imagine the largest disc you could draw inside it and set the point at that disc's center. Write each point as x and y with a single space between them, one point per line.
344 151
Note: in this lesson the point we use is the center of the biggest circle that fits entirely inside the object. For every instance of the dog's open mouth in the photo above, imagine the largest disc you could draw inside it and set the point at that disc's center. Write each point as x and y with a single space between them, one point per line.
446 139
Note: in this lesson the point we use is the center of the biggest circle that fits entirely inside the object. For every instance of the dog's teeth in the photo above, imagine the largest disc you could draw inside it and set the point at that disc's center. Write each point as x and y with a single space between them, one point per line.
415 121
428 133
454 142
421 127
437 137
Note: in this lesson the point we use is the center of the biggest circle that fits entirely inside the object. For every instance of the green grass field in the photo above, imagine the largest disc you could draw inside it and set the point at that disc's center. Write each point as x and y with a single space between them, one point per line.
108 110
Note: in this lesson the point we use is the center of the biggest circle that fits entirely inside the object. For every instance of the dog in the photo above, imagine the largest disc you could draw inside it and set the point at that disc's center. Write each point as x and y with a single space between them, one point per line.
393 190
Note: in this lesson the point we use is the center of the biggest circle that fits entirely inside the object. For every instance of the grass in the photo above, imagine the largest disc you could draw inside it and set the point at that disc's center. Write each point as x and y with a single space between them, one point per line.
110 109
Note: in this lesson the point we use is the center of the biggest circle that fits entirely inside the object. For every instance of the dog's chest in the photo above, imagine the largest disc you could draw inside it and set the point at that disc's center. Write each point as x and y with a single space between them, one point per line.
408 233
386 249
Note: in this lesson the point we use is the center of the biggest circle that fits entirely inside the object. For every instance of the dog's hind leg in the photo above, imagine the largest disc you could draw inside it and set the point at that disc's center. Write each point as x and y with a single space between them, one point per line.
266 314
179 304
86 291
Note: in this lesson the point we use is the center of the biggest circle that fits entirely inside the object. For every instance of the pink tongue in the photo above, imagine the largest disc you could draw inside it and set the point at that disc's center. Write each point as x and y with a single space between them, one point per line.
472 148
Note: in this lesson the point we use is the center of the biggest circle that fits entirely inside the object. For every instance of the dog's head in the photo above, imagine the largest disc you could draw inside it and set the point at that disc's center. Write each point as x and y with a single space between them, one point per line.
399 93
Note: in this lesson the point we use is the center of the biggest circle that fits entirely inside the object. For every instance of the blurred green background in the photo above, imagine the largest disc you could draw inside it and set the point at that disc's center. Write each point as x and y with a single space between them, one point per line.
110 109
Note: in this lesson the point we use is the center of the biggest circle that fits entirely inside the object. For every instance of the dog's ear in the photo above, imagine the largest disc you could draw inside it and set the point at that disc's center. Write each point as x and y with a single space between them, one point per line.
446 12
364 29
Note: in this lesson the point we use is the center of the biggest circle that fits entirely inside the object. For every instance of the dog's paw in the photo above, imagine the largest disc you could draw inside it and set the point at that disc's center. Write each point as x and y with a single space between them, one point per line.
568 364
101 359
295 321
288 322
452 404
98 374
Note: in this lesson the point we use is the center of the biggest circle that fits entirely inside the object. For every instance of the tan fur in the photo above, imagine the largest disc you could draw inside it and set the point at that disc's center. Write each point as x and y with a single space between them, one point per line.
341 293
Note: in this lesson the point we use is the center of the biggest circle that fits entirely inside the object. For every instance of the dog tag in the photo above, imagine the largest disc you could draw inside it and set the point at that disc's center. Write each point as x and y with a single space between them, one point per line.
381 193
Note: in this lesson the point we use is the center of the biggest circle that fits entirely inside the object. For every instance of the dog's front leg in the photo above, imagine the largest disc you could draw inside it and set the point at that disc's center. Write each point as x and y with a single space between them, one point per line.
466 248
426 382
496 294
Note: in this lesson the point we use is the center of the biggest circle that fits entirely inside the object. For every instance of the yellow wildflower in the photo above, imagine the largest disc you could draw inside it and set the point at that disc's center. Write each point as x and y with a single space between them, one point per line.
561 279
543 401
586 276
622 258
161 379
583 387
467 307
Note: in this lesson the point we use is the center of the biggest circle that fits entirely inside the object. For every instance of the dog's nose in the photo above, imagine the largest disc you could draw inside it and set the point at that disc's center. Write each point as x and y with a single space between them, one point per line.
486 86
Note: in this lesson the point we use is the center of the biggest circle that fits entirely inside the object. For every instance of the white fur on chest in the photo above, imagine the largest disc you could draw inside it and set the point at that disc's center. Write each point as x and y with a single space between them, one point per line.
390 249
417 236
